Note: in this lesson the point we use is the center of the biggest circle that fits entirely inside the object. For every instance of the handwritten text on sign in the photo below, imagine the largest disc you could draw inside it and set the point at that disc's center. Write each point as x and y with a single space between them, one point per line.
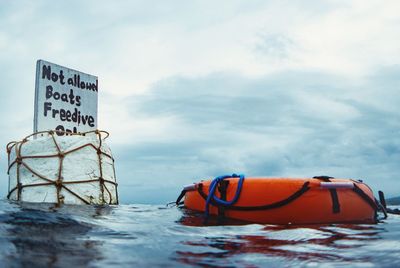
65 99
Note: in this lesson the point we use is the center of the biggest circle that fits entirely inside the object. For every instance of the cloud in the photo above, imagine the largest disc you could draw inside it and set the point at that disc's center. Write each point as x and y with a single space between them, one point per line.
281 125
195 89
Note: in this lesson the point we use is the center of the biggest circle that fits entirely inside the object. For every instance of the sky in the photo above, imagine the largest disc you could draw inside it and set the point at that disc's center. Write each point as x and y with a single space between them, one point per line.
191 90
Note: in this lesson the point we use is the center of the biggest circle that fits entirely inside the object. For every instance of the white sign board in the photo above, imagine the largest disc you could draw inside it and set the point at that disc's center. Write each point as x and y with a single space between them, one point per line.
65 99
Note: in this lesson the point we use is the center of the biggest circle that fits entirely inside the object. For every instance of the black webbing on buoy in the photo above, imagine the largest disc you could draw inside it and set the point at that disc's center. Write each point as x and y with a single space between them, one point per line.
382 201
223 186
278 204
382 198
381 208
335 201
334 195
178 200
365 197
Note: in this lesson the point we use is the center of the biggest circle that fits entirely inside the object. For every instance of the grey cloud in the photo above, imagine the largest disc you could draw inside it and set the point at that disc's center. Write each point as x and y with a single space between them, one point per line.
288 124
221 98
266 127
261 127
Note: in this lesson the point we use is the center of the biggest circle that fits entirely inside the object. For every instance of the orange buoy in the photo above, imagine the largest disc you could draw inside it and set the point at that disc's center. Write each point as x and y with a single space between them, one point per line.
284 200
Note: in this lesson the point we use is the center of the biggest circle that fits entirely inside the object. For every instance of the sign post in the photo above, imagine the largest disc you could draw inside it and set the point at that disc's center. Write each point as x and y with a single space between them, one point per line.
65 99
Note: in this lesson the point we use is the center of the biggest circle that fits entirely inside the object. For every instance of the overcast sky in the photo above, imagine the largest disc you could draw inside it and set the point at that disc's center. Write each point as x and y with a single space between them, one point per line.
195 89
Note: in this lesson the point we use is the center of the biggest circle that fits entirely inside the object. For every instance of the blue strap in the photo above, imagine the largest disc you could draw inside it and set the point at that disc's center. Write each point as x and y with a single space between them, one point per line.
213 187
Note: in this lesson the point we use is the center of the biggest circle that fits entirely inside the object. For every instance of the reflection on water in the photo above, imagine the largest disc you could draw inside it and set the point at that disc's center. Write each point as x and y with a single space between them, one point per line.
146 235
284 245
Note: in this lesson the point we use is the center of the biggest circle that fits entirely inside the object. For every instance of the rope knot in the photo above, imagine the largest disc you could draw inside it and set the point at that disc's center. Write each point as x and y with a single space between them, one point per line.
58 183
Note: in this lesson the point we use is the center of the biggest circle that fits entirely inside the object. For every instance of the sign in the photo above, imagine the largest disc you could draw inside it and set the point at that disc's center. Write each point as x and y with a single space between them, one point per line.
65 99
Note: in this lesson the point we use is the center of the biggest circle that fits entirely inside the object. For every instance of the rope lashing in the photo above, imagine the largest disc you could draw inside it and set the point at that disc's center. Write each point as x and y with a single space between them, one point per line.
58 182
212 197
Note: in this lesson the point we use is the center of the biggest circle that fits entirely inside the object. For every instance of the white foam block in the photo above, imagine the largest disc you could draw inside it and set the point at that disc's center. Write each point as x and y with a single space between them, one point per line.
86 176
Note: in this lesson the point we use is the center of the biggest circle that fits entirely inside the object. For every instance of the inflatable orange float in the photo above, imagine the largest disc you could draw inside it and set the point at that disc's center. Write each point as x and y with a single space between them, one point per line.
283 200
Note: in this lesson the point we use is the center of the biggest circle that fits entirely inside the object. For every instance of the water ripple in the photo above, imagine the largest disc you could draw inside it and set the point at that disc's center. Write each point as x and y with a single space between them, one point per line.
33 235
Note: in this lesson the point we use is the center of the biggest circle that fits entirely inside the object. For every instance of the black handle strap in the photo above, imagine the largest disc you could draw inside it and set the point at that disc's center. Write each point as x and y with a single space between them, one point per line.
178 200
333 192
365 197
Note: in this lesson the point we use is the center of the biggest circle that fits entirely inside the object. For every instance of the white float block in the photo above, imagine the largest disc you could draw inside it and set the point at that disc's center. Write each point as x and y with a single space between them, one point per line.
62 169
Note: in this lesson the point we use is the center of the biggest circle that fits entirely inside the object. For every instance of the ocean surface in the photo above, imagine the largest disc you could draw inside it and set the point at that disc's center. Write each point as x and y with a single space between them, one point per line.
34 235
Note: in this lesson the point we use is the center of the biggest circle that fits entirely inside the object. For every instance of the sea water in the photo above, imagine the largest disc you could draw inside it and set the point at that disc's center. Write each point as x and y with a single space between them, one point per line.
37 235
